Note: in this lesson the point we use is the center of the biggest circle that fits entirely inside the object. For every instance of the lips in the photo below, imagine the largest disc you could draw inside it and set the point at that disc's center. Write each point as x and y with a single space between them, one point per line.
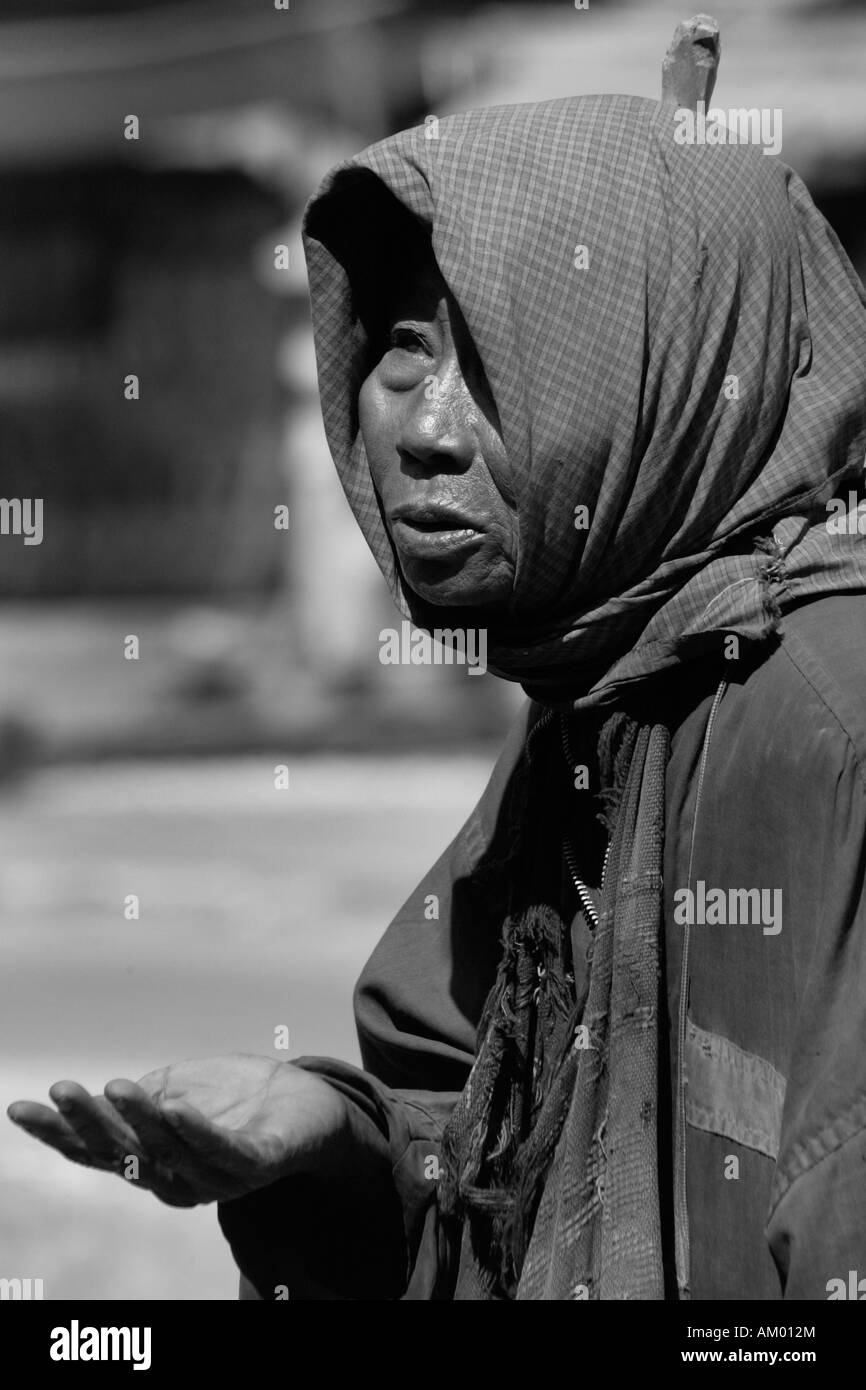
431 530
435 516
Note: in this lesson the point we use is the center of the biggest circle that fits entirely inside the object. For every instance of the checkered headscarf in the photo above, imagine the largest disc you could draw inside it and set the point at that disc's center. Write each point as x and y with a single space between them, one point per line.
699 386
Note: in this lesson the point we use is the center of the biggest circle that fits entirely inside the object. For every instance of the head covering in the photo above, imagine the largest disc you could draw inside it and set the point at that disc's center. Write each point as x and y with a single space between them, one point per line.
676 342
699 385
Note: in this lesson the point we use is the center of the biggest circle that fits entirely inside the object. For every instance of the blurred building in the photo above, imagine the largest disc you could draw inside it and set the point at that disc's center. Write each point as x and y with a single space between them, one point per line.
149 157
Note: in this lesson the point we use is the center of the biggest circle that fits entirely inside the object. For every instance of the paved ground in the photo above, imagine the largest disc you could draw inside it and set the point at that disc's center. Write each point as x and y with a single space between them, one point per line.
257 908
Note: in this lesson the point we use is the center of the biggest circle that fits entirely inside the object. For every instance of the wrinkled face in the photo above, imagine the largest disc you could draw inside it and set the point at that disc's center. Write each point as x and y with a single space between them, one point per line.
435 450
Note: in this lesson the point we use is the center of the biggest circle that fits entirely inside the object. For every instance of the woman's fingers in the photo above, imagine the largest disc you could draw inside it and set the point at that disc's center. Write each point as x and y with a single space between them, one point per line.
156 1137
180 1156
96 1138
162 1143
46 1125
95 1122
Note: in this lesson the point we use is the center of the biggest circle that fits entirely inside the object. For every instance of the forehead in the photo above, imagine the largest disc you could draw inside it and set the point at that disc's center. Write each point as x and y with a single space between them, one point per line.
394 275
414 285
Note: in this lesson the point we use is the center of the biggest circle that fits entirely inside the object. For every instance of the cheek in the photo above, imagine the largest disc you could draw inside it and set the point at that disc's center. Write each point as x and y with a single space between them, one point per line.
498 464
378 425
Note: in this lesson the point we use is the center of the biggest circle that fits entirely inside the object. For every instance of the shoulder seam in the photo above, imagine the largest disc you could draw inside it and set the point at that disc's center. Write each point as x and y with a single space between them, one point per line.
831 709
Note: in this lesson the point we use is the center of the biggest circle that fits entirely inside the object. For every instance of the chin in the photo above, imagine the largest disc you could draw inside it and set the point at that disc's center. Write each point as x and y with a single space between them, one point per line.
478 598
479 591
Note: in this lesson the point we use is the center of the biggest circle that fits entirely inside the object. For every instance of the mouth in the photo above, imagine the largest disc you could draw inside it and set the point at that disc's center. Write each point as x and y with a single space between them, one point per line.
428 531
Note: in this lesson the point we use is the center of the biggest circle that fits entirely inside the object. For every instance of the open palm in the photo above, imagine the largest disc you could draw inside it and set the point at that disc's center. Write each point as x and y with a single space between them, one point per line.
198 1131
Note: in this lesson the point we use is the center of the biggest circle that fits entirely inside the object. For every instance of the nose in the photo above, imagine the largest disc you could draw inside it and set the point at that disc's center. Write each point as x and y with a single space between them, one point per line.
435 430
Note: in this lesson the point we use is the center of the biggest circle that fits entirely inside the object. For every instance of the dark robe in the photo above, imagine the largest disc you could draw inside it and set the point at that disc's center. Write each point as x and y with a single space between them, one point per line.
775 1065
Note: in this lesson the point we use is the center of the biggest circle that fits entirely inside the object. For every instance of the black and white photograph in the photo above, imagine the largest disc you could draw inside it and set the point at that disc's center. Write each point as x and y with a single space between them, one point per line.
433 680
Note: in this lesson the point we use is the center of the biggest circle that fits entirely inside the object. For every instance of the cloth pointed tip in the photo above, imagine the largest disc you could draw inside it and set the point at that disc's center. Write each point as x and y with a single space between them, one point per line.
691 64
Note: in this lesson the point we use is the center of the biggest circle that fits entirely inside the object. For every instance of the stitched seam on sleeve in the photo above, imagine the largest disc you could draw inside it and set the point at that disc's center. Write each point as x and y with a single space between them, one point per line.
428 1114
831 710
801 1160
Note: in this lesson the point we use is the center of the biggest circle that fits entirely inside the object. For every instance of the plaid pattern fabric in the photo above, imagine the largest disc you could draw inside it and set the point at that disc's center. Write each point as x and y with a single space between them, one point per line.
613 381
598 1230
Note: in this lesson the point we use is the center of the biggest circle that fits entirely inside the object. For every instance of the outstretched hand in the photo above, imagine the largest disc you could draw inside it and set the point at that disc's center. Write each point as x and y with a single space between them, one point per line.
201 1131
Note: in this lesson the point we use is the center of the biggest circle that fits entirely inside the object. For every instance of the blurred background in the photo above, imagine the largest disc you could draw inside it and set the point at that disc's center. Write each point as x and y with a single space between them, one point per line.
158 392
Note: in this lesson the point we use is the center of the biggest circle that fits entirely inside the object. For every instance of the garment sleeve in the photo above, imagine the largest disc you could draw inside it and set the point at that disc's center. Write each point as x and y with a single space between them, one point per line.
417 1007
817 1225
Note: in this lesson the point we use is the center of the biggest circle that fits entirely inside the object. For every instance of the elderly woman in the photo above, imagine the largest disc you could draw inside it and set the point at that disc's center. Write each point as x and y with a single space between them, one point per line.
598 394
